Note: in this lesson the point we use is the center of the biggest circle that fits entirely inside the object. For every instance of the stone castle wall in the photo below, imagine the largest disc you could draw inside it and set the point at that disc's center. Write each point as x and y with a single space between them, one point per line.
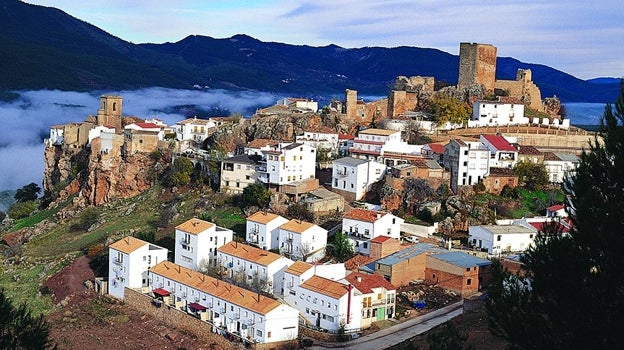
477 65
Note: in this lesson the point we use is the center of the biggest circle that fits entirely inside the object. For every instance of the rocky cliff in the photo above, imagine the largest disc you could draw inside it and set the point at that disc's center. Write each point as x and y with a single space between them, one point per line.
97 179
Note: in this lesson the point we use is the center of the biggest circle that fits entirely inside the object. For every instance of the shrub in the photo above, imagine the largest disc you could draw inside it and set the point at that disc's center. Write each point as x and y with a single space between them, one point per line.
21 210
86 219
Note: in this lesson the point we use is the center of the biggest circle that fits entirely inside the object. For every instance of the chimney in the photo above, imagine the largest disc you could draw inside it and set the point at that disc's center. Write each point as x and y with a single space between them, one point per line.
358 278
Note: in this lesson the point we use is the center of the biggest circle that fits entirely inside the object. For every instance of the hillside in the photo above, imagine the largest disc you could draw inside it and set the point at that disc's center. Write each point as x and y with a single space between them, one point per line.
45 48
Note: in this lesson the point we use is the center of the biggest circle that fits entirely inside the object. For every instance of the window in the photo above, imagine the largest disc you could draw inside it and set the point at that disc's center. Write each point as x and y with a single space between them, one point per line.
498 238
259 333
468 281
467 269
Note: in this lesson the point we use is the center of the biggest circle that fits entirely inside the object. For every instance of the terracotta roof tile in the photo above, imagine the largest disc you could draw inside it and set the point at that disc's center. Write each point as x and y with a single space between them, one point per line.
298 268
364 215
128 244
212 286
249 253
195 226
437 148
325 286
366 283
297 226
380 239
262 217
259 143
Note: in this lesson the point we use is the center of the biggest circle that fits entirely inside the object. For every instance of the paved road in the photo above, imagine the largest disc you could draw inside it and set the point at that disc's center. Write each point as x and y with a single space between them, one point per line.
399 332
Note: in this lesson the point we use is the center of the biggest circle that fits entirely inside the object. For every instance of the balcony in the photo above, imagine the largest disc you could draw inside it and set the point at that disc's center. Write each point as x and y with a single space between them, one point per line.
252 237
261 168
263 178
342 173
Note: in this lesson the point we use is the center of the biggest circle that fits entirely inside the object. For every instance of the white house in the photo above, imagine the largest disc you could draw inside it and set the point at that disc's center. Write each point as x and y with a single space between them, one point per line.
353 177
327 304
196 242
56 135
193 130
227 307
384 146
287 163
362 225
500 239
302 240
493 113
129 260
256 146
301 271
300 104
97 132
253 266
320 138
378 297
146 127
560 165
238 172
263 229
502 153
468 162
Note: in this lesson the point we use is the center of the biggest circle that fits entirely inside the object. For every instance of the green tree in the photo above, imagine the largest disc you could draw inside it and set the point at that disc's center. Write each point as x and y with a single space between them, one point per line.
180 172
342 248
27 193
572 293
19 329
256 195
445 108
531 176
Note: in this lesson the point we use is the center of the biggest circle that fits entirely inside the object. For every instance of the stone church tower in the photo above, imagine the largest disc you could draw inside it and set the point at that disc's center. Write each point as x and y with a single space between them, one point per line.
109 113
477 65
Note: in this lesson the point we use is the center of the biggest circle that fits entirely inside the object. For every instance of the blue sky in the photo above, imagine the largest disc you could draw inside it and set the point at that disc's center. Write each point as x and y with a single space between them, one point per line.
578 37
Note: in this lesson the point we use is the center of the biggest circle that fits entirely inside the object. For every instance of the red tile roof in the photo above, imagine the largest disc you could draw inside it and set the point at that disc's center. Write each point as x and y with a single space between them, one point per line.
366 283
346 137
437 148
499 142
148 125
380 239
555 207
326 287
364 215
540 226
259 143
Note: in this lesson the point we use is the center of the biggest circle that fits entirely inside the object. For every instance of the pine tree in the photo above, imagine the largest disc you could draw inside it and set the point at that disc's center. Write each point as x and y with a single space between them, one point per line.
19 329
572 295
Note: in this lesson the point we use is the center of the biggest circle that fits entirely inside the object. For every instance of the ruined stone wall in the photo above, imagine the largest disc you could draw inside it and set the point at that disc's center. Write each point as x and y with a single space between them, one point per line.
477 65
523 89
400 102
378 108
144 142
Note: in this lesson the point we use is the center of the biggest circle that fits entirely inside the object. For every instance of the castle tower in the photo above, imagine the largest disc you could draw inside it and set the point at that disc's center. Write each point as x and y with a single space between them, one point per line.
477 65
109 113
351 103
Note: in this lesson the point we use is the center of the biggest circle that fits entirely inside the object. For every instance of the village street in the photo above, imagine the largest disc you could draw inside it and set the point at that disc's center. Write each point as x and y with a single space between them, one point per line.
399 332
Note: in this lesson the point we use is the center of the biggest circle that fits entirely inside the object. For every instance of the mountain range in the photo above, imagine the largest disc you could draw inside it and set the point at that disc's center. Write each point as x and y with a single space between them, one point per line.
45 48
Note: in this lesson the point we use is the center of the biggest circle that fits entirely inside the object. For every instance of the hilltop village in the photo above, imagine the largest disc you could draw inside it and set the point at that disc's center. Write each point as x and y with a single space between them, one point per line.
367 165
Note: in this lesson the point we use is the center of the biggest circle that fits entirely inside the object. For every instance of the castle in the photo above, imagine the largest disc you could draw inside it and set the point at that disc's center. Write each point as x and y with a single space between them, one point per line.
477 68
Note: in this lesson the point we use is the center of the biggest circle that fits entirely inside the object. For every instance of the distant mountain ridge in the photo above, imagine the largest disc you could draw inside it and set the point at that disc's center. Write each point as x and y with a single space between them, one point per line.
45 48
